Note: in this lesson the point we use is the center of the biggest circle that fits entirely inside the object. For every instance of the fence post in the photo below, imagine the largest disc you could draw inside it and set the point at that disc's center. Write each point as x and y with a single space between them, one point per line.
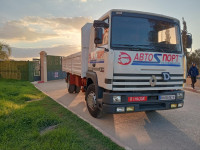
31 71
43 59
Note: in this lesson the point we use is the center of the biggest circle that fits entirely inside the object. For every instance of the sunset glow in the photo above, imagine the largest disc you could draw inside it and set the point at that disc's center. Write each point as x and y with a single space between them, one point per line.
55 26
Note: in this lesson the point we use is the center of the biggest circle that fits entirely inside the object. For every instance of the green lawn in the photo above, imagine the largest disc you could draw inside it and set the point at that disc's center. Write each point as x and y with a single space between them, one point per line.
25 112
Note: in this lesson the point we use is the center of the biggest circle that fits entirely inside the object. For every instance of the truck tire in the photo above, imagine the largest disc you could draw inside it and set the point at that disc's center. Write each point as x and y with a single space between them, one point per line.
78 88
70 87
92 102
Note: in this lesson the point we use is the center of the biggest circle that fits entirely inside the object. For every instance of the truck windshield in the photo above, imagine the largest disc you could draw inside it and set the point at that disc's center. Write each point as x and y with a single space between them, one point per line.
145 34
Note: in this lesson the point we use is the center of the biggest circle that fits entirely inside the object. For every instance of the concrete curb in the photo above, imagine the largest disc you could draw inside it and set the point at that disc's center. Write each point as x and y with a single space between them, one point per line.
96 127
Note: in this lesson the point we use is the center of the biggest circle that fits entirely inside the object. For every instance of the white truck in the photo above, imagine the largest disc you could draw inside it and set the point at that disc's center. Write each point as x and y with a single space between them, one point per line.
130 61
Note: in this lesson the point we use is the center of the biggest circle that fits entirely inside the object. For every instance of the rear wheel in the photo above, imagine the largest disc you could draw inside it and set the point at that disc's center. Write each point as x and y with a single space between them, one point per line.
78 88
70 87
91 101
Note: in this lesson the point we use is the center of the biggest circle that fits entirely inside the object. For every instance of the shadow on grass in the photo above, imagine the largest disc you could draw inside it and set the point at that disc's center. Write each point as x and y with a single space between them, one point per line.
24 123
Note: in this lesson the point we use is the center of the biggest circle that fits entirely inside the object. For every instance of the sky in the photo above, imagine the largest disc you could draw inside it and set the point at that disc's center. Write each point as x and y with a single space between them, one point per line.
31 26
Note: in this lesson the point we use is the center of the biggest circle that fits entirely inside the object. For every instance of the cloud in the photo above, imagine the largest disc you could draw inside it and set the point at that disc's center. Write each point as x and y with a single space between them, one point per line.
39 28
29 53
16 31
59 23
56 35
90 0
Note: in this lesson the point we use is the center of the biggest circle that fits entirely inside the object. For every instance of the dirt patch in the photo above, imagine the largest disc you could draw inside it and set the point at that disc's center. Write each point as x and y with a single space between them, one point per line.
47 129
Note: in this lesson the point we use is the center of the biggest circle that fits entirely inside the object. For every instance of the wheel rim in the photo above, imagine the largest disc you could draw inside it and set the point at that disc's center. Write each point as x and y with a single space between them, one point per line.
91 100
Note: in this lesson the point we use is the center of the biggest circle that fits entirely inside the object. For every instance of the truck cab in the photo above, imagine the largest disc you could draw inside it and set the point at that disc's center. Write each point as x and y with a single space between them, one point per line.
135 63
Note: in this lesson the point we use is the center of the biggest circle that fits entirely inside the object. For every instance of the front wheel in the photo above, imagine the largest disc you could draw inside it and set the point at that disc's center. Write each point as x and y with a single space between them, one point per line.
91 101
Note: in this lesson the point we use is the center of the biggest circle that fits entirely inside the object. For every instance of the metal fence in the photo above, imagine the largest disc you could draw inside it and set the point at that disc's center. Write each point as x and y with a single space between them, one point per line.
20 70
54 68
30 70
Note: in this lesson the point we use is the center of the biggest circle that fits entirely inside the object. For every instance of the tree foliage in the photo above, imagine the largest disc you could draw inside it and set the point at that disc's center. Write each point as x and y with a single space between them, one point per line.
194 58
5 51
184 37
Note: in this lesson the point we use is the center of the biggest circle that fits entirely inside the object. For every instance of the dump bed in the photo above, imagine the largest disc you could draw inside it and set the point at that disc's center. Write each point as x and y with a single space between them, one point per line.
72 64
77 63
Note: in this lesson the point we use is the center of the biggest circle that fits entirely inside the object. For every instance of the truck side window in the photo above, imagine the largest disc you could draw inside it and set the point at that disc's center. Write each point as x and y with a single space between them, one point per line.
105 34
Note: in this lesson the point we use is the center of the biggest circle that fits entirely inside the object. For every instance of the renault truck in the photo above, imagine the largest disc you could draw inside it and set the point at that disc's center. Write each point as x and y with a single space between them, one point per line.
130 61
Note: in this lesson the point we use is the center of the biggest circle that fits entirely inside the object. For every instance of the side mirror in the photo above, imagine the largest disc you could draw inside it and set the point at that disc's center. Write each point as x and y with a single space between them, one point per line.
98 37
189 41
98 24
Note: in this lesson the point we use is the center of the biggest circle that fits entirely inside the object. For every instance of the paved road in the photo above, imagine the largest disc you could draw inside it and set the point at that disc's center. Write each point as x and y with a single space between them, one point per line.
161 130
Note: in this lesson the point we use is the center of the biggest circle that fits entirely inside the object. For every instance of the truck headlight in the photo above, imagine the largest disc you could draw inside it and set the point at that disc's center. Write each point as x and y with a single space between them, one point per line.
180 105
130 108
180 95
116 99
174 105
120 109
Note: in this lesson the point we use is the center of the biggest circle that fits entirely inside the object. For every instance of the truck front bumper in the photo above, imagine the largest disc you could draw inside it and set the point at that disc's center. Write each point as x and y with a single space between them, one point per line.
153 102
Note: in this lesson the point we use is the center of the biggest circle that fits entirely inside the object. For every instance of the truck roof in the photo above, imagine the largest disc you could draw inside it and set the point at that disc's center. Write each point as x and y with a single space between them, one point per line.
137 12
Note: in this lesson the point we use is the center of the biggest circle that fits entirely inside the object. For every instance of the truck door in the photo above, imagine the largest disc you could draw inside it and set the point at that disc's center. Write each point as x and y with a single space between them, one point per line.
97 55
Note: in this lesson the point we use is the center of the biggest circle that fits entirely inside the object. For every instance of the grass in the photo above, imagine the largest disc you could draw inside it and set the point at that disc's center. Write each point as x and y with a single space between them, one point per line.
23 120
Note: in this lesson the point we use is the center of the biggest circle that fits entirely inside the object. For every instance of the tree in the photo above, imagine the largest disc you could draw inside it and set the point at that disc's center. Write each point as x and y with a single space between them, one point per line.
194 58
5 51
184 37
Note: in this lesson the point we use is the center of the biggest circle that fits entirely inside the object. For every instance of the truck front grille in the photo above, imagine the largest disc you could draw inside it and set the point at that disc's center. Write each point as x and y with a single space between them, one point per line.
141 82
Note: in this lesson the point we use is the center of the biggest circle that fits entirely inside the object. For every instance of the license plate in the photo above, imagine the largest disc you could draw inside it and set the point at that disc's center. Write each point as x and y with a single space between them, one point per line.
167 97
137 99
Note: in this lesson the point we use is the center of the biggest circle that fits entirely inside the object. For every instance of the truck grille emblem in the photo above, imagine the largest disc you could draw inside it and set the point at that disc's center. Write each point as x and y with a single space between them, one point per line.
166 76
124 58
153 80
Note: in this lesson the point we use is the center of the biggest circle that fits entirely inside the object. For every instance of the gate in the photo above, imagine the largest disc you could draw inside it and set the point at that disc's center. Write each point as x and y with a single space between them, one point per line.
36 70
54 68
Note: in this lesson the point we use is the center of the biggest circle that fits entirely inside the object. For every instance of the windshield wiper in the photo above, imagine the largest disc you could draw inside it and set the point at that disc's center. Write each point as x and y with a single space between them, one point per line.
131 47
135 47
161 47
